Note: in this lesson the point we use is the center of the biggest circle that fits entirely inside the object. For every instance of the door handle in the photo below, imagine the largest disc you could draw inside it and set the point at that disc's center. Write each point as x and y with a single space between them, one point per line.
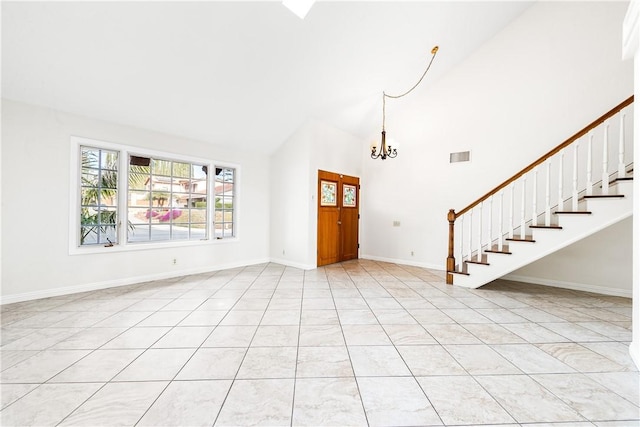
339 222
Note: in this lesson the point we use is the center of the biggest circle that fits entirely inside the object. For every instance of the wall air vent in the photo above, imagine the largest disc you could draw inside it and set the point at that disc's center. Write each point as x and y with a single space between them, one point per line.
461 156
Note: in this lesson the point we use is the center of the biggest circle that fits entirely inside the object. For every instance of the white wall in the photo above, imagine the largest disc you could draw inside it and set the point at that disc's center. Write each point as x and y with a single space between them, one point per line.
35 188
289 195
608 272
548 74
294 175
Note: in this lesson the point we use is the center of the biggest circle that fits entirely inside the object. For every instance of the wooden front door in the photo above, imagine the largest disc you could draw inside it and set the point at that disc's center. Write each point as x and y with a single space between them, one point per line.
338 215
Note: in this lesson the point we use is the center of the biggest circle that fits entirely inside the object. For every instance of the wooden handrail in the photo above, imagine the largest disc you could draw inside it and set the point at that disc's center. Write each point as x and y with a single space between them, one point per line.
453 215
551 153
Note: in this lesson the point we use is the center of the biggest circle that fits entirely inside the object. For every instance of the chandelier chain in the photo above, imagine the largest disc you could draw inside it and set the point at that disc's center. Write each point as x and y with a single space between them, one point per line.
385 95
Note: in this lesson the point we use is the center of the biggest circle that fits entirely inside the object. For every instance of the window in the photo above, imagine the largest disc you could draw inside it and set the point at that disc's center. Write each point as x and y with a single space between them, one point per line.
167 200
223 190
126 197
98 196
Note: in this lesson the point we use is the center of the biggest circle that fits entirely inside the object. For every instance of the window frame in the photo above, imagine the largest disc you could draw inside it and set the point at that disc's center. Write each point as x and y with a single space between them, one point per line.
124 151
223 208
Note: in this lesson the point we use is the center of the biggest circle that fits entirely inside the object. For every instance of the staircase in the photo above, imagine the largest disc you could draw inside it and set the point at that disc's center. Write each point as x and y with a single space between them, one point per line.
555 201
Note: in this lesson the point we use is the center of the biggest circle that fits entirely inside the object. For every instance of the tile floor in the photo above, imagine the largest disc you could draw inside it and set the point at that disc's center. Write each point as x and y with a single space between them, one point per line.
358 343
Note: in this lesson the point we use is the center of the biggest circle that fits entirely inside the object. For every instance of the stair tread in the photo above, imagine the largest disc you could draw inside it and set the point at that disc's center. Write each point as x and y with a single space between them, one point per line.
573 212
604 196
458 272
551 227
477 262
518 239
495 251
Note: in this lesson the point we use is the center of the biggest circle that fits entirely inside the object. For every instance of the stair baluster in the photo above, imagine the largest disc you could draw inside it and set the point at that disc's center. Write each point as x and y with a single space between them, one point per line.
589 190
490 224
461 242
605 160
512 224
622 173
560 181
523 207
574 189
500 224
534 202
469 247
479 254
547 196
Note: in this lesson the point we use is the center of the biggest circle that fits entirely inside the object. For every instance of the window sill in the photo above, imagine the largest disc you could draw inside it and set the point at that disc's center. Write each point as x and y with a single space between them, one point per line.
131 247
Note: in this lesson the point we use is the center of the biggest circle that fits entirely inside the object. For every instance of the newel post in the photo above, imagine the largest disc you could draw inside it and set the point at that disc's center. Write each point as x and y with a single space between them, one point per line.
451 261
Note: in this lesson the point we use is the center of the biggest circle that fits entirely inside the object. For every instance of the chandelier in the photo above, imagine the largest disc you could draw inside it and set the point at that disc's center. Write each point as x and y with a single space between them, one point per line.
388 150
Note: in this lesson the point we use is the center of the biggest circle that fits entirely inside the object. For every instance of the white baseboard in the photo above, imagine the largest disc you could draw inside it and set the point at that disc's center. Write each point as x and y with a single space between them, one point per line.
289 263
68 290
404 262
571 285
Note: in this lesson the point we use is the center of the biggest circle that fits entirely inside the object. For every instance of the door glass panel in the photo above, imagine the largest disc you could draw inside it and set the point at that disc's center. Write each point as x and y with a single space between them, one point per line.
349 196
328 193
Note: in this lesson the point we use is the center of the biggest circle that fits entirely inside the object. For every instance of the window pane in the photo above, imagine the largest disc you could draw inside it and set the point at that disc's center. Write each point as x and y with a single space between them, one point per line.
90 157
98 196
108 179
89 178
227 202
199 201
138 198
89 196
198 232
228 230
107 234
199 186
161 167
139 233
180 200
138 180
160 232
141 215
223 202
172 188
108 160
180 231
181 170
180 185
198 172
88 235
198 216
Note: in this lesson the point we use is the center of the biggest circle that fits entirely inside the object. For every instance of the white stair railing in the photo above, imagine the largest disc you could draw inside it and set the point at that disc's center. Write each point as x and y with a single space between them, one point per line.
497 222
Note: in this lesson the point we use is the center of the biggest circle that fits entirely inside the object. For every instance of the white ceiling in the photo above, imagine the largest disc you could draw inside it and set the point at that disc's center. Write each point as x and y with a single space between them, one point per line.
246 74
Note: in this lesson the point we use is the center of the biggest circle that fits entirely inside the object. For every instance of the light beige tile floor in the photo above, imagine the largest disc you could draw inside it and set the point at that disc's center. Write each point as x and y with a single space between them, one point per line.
358 343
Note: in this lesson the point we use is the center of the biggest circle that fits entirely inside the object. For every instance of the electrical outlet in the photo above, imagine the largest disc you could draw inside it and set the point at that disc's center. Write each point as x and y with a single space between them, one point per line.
175 261
396 223
283 252
411 253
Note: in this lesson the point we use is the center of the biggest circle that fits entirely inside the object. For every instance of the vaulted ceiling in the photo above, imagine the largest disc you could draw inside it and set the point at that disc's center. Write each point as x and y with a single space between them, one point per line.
247 74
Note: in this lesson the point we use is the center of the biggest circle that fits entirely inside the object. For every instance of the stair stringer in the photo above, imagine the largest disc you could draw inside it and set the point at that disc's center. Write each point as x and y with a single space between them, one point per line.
605 212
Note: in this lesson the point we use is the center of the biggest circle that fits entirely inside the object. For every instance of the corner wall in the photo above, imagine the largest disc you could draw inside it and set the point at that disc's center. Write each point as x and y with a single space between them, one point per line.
35 188
294 173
